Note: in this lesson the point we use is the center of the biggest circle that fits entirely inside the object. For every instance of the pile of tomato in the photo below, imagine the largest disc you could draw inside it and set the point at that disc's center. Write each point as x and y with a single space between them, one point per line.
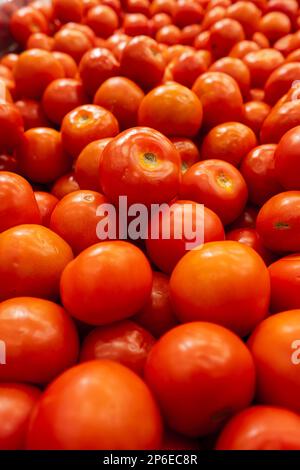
141 342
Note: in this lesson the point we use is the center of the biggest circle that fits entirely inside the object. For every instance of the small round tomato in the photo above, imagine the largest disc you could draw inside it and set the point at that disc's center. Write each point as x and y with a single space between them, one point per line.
162 6
250 237
286 159
96 66
16 405
47 340
26 21
172 109
87 165
66 184
124 342
261 40
278 381
83 28
117 399
157 315
220 97
255 112
40 41
218 185
261 428
189 34
136 163
282 118
68 64
72 42
189 225
109 264
224 34
85 124
188 66
41 156
17 202
213 15
62 96
136 24
187 150
158 21
187 12
138 6
45 8
103 20
11 126
247 14
32 113
68 10
208 285
143 62
46 203
261 64
169 34
236 69
243 48
187 368
230 142
258 169
122 97
32 258
34 71
284 275
247 219
275 25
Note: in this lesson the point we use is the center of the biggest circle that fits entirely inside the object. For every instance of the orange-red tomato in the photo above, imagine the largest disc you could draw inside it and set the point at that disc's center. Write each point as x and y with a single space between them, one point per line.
275 25
213 15
162 6
68 64
187 150
137 6
187 368
136 24
261 64
72 42
187 12
40 41
25 21
65 185
189 33
85 124
280 81
87 165
242 48
189 65
247 14
255 112
103 20
107 264
224 34
32 258
208 285
11 126
9 60
17 202
125 342
68 10
158 21
250 237
117 399
83 28
169 34
284 275
32 113
236 69
286 159
46 203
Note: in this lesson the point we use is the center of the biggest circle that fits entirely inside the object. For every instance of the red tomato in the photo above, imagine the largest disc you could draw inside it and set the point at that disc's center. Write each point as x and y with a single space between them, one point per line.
250 237
247 14
8 163
47 340
65 185
40 41
247 218
280 81
188 66
83 28
103 20
16 404
72 42
274 346
68 10
261 428
169 34
32 113
32 258
17 202
187 368
286 159
283 117
213 15
46 203
224 34
236 69
124 342
275 25
209 285
278 222
255 112
25 21
158 21
261 64
136 24
9 60
284 275
68 64
138 6
11 126
187 12
242 48
87 165
187 150
189 34
146 160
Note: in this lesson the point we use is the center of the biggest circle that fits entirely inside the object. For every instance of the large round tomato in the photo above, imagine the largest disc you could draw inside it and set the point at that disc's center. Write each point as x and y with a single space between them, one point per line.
284 275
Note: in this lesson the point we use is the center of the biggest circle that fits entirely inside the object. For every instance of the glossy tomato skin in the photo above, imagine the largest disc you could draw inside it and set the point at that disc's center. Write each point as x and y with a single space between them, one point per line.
8 163
68 10
276 367
187 150
284 283
73 42
147 160
187 12
109 264
25 21
213 297
236 69
17 202
275 25
283 117
32 113
157 315
117 399
220 97
11 126
250 237
218 185
278 222
32 260
188 389
193 219
261 64
225 34
286 161
247 14
187 67
125 342
87 165
66 184
103 20
40 41
85 124
247 218
17 403
41 156
47 340
46 203
242 48
136 24
67 62
261 428
255 112
258 170
172 109
280 81
169 35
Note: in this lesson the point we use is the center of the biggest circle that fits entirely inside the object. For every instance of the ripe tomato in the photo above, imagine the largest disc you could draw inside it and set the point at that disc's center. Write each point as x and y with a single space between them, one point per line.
284 275
103 20
172 109
208 284
108 264
124 342
189 34
218 185
25 21
187 67
32 113
32 258
68 10
65 185
138 6
250 237
247 14
187 12
146 160
158 21
220 97
188 225
62 96
247 218
275 25
136 24
83 28
162 6
72 42
187 150
236 69
280 81
122 97
242 48
213 15
278 222
17 202
40 41
169 34
11 126
286 159
224 34
187 368
68 64
85 124
87 165
46 203
16 404
261 64
258 169
255 112
274 345
261 428
230 142
116 397
9 60
47 340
